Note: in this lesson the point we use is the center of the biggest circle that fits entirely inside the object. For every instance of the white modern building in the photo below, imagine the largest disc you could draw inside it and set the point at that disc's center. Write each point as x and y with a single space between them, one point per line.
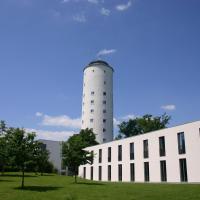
55 153
97 108
167 155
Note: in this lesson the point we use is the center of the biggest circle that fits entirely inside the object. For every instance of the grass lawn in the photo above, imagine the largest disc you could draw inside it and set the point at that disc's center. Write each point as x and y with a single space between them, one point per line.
53 187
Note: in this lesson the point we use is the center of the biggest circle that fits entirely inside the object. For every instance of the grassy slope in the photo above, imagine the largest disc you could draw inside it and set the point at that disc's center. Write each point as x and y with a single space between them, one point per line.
63 188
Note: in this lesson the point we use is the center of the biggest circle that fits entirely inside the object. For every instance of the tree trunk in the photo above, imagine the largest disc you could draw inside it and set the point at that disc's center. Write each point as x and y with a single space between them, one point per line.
22 186
75 178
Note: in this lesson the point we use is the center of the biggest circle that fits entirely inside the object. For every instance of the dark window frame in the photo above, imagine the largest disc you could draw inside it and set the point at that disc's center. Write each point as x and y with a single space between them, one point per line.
181 143
146 148
162 149
119 152
100 155
132 172
163 171
146 172
109 154
132 151
120 172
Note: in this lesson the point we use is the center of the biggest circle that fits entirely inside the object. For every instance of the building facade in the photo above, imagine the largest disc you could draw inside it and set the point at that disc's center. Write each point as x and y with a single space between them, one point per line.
55 153
97 104
167 155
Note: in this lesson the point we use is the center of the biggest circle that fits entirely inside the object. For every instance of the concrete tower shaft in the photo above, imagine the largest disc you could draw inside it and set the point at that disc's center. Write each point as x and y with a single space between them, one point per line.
97 108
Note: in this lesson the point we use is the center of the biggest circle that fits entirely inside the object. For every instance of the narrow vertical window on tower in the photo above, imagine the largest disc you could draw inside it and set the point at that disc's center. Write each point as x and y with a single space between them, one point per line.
104 93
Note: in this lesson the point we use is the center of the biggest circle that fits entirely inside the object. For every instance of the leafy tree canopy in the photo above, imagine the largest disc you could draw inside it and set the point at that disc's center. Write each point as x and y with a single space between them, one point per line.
141 125
73 153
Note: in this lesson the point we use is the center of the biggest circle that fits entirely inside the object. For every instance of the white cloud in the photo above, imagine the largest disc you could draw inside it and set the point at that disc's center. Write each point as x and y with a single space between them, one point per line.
123 7
61 121
105 11
93 1
169 107
52 135
127 117
116 122
65 1
79 18
38 114
106 52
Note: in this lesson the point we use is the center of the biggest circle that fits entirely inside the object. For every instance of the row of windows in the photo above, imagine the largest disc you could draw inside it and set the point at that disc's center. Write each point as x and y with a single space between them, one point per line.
162 151
93 93
94 71
104 111
92 102
163 171
103 83
92 120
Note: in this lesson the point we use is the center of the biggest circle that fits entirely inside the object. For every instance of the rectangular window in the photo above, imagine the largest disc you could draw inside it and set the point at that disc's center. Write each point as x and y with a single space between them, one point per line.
92 110
163 171
146 172
100 173
104 102
109 154
91 173
132 171
104 111
100 155
92 102
120 172
104 120
109 172
91 120
92 93
146 149
132 156
104 94
120 153
162 146
84 172
104 130
183 170
181 143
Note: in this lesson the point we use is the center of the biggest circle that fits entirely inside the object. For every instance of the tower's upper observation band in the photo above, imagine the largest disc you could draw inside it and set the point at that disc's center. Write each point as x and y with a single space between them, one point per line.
98 62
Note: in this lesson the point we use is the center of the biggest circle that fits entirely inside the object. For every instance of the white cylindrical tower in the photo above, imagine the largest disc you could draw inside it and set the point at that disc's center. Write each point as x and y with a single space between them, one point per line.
97 108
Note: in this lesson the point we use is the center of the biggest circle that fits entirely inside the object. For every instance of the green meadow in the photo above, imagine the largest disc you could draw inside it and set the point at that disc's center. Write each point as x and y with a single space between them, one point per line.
53 187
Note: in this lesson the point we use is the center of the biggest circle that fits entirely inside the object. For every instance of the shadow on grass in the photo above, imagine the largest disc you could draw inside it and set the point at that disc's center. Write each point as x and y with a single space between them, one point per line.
85 183
6 181
38 188
18 175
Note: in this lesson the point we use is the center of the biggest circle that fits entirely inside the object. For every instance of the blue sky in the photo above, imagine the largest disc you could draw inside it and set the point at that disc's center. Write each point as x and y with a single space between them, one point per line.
153 45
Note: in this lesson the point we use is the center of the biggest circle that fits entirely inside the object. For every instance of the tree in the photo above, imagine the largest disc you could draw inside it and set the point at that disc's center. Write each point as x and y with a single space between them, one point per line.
4 157
41 158
74 154
22 147
142 125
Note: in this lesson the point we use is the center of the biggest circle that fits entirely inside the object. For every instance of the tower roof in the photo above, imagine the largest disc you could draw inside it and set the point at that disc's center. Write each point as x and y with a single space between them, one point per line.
98 62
